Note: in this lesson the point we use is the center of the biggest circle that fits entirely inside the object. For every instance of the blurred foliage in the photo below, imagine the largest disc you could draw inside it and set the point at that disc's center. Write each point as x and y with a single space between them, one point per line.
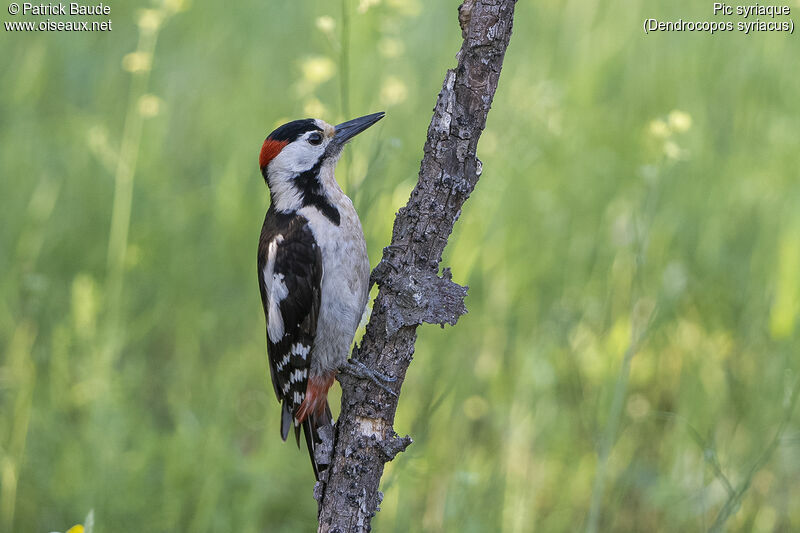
631 356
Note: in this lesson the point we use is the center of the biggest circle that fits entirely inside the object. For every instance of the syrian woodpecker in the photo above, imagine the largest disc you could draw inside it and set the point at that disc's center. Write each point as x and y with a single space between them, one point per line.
313 269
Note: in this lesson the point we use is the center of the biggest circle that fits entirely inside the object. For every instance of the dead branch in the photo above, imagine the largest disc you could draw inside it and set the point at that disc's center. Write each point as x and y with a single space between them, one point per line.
411 291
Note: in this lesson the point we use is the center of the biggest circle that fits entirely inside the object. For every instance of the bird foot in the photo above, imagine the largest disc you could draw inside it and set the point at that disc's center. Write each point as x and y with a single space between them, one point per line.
357 369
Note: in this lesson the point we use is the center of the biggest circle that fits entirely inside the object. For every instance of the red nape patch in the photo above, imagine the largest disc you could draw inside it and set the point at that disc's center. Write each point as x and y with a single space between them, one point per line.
316 397
269 151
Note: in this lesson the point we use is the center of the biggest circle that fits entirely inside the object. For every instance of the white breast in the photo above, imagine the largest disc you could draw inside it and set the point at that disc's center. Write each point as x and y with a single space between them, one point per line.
345 283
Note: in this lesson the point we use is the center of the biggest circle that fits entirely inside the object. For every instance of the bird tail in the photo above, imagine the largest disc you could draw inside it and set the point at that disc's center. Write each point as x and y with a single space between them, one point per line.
311 429
313 414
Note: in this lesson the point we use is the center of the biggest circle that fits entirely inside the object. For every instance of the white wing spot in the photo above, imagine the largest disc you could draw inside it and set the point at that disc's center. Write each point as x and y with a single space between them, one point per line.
298 375
301 350
276 291
283 362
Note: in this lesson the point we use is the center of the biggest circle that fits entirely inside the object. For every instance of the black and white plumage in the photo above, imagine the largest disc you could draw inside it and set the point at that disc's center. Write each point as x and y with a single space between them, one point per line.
313 269
290 267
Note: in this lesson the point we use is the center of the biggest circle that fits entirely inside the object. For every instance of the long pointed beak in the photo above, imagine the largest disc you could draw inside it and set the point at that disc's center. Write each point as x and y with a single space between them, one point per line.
347 130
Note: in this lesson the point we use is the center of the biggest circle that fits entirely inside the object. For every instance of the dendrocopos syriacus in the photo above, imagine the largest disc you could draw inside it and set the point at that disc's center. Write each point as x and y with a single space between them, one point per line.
313 269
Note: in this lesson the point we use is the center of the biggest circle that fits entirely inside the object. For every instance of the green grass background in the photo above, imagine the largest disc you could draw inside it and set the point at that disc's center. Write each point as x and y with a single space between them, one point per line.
630 359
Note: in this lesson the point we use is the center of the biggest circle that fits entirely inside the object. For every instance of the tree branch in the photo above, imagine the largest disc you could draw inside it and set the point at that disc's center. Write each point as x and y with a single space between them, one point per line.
411 291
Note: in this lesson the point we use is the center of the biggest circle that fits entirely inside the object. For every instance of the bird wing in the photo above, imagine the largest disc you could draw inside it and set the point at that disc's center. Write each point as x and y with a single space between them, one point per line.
290 277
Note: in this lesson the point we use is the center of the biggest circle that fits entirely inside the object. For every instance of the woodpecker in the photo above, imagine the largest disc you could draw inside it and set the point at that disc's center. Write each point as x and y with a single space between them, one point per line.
313 269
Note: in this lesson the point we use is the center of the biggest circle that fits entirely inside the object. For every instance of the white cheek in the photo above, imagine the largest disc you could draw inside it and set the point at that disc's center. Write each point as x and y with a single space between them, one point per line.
284 168
296 157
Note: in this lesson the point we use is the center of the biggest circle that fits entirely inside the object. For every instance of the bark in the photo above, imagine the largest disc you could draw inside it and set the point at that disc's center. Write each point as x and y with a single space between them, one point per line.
411 291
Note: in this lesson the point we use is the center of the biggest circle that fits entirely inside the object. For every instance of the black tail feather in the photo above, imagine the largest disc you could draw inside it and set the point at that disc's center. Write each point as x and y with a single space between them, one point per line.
286 420
311 427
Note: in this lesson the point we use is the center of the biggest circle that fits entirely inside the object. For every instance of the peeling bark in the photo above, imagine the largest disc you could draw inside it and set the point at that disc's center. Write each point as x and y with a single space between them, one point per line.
411 291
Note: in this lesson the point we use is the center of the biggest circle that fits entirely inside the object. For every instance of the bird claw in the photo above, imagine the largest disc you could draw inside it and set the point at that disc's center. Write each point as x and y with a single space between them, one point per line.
357 369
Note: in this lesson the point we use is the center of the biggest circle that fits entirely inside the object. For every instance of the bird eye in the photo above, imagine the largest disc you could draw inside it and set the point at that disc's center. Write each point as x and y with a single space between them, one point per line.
315 138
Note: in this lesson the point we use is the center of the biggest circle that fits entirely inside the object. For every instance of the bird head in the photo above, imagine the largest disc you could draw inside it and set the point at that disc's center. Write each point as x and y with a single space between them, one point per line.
293 155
